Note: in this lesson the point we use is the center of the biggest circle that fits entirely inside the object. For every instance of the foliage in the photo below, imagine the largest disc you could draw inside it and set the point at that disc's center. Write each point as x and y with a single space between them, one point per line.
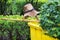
13 7
50 18
13 30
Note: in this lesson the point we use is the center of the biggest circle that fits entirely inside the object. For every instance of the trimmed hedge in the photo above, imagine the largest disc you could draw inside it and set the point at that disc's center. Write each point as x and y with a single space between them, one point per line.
13 30
50 18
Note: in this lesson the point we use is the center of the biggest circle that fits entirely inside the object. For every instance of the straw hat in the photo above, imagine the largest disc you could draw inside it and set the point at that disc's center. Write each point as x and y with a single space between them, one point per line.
29 10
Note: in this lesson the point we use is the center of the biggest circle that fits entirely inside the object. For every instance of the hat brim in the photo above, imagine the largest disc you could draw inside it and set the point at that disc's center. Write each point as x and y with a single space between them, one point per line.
32 13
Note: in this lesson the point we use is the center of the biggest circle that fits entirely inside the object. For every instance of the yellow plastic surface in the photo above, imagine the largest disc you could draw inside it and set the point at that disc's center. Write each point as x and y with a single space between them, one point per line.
36 32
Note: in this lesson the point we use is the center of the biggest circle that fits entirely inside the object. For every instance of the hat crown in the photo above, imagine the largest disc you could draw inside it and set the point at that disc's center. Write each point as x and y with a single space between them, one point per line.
28 7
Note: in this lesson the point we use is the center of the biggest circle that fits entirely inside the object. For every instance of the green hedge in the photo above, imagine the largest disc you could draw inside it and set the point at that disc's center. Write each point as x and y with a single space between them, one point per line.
13 30
50 18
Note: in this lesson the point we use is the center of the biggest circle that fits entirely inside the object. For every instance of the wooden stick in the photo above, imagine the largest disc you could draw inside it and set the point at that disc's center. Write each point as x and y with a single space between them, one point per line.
26 20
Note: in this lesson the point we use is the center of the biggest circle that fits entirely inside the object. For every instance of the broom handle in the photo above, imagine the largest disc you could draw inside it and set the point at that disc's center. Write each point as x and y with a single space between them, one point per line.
26 20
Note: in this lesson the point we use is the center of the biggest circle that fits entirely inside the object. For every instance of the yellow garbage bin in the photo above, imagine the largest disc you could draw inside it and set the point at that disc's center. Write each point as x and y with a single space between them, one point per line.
37 33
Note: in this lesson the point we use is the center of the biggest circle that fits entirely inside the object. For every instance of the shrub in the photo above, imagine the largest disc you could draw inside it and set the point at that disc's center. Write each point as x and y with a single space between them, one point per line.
50 18
13 30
